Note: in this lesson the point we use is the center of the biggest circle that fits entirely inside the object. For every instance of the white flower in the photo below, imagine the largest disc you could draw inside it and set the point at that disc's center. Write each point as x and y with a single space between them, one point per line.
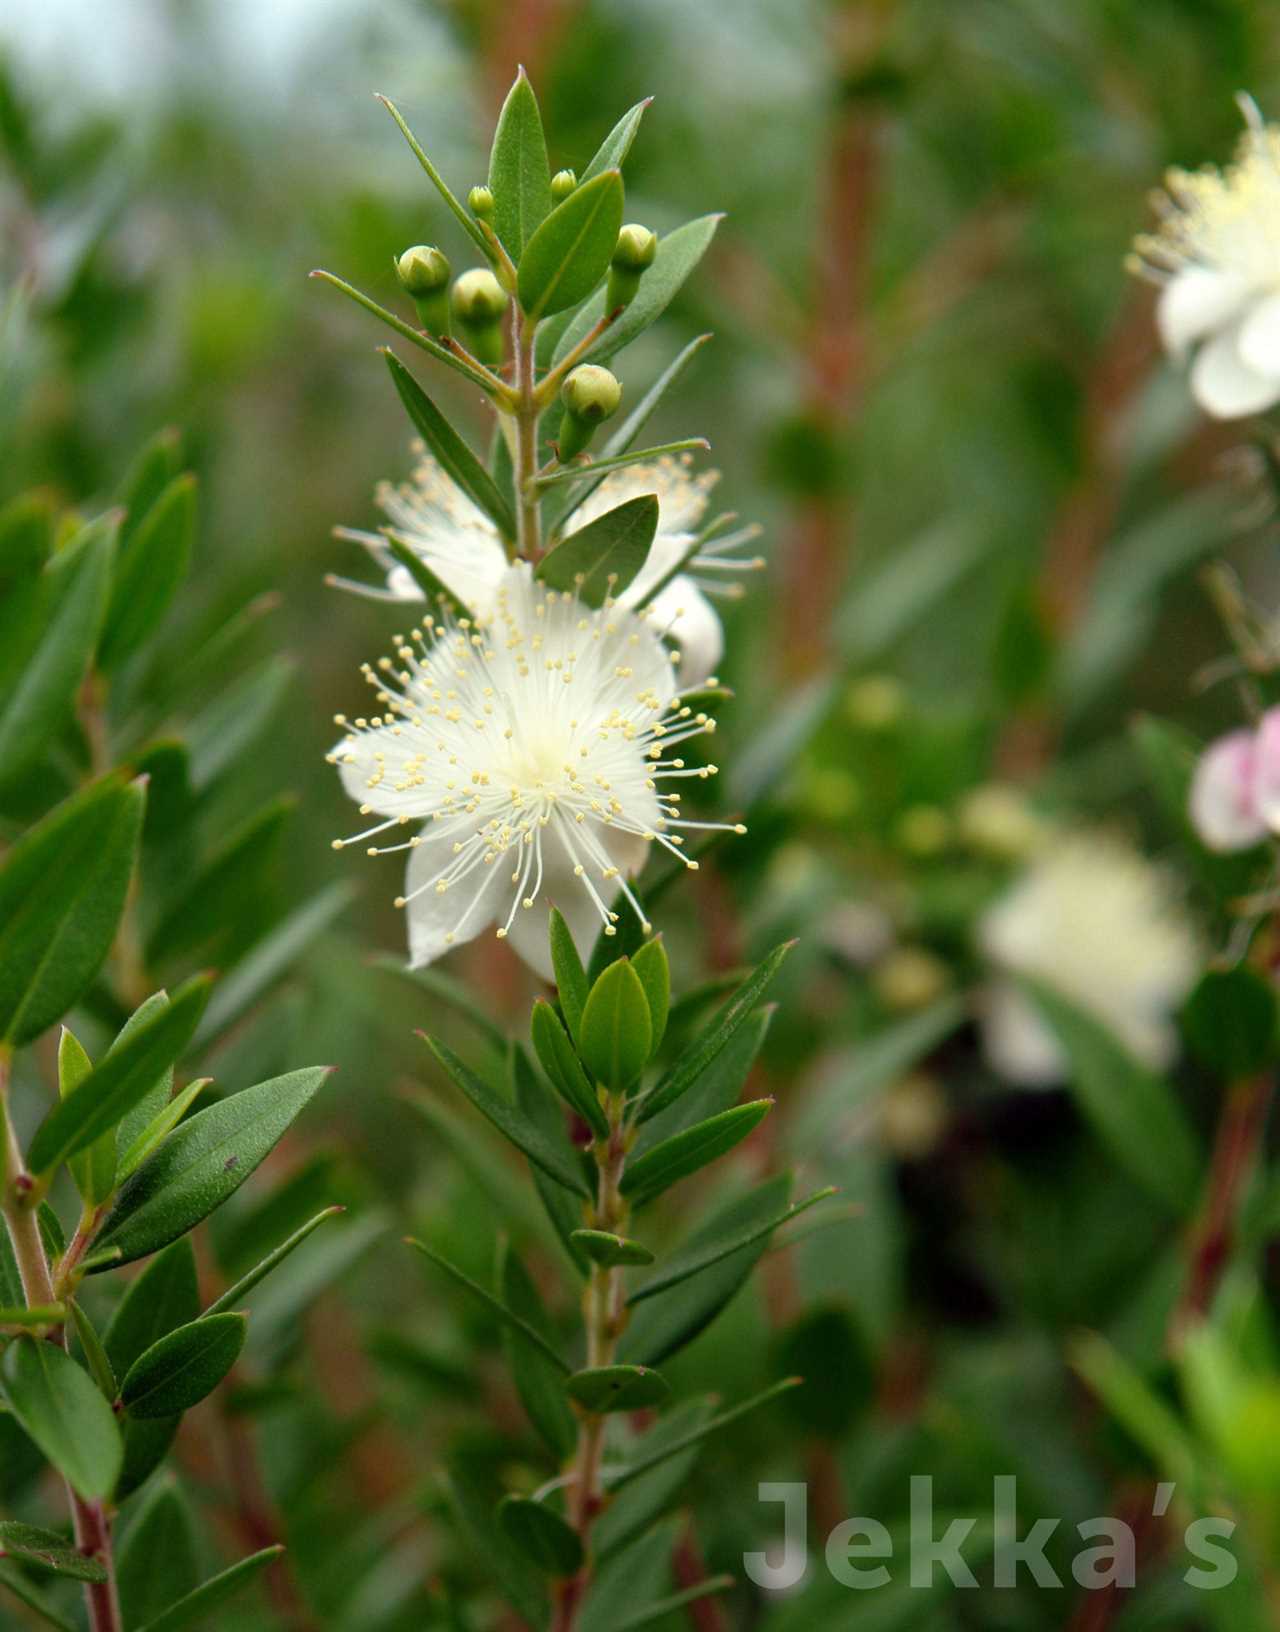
436 520
1235 793
533 744
1094 920
1217 253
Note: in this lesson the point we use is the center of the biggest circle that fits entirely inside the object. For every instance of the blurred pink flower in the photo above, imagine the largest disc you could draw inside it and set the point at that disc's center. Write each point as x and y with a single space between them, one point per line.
1235 793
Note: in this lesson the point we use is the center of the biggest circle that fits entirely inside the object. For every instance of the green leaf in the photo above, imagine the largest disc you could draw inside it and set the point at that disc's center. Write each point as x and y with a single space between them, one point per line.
47 1550
26 537
715 1089
602 558
40 1314
26 1591
661 1608
446 989
183 1368
519 174
654 973
235 719
95 1354
678 254
201 1163
94 1171
156 465
634 1509
571 979
539 1383
126 1072
509 1121
685 1072
62 890
603 1248
825 1347
659 1327
562 1207
1132 1109
541 1535
570 252
58 1405
505 1317
156 1559
471 1497
560 1062
466 221
616 1479
146 1444
617 1030
451 452
617 144
151 564
242 1288
163 1297
1230 1022
152 1102
160 1126
618 1388
49 627
691 1149
199 1605
691 1260
433 589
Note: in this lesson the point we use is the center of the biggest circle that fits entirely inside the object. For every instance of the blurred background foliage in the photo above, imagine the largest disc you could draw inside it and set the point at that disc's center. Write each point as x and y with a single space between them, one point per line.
985 499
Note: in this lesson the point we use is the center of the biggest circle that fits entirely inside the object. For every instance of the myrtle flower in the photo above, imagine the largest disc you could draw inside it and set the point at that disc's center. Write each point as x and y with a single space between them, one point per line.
1217 254
684 572
533 743
1235 793
1094 920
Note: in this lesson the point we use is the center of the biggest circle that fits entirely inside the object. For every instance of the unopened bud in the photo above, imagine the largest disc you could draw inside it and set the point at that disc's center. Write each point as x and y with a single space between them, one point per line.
590 396
562 184
424 274
480 202
479 305
633 253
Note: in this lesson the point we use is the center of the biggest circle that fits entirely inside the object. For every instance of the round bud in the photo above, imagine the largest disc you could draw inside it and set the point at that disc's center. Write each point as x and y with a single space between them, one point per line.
422 270
636 248
478 297
480 201
591 393
562 184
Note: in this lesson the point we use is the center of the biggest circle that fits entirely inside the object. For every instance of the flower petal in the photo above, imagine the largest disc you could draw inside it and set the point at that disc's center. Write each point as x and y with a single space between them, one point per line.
1266 773
1224 385
1016 1041
441 920
564 889
1196 301
694 625
1260 338
382 770
1224 803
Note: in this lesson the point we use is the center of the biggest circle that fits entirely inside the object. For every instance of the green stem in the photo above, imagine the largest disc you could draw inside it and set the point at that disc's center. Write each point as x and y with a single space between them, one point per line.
92 1520
527 413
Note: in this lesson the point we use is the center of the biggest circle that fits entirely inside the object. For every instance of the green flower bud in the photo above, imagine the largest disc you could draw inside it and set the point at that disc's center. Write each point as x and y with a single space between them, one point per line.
424 274
562 184
480 202
633 253
479 305
590 396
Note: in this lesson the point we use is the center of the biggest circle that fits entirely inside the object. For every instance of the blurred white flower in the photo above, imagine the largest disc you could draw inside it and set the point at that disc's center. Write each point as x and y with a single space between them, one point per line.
1235 793
1217 253
686 568
534 744
1094 920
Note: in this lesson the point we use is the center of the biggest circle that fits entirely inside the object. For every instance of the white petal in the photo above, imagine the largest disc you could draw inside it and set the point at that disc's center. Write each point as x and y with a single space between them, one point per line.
1224 385
382 769
562 889
1266 772
1223 803
1195 302
1260 338
438 922
694 625
1016 1042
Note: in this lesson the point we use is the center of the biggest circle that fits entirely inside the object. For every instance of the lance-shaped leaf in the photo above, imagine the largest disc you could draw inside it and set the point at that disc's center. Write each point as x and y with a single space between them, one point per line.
163 1297
696 1059
562 1207
715 1089
505 1317
451 452
94 1170
58 1405
617 1031
602 1247
654 974
560 1061
467 222
678 254
617 144
198 1606
126 1072
539 1382
1132 1109
691 1149
541 1535
156 1559
150 566
95 1353
235 1294
633 1510
510 1121
157 463
159 1127
570 252
62 890
1230 1021
182 1368
603 557
151 1103
519 174
49 626
616 1479
618 1388
200 1164
26 1592
662 1608
27 525
571 978
47 1550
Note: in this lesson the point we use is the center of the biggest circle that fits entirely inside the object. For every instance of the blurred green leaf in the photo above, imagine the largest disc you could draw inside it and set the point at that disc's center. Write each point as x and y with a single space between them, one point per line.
150 566
235 719
1230 1022
602 558
505 1317
519 173
647 1456
156 1559
541 1535
46 1550
602 1247
826 1348
713 1248
539 1383
636 1506
58 1404
199 1605
26 538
